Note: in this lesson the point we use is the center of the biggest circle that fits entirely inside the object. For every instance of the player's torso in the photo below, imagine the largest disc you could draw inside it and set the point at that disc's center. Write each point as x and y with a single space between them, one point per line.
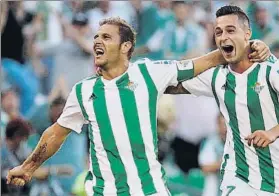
123 138
246 101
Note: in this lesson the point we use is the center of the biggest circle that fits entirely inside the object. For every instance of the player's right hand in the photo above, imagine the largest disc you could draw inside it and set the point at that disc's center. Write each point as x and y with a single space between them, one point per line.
18 176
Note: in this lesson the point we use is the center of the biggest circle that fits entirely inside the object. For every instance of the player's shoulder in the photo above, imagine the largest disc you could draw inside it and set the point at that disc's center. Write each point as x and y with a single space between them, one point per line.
90 79
272 62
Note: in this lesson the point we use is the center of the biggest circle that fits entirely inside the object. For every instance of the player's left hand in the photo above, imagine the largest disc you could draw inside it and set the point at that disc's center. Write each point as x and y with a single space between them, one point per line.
261 138
261 51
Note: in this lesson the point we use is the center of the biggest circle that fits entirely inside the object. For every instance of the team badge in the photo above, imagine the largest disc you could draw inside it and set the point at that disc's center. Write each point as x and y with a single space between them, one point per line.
131 86
257 87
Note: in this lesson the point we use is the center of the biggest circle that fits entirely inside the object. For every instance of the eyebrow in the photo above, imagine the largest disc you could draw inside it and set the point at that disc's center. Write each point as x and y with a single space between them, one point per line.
102 34
228 26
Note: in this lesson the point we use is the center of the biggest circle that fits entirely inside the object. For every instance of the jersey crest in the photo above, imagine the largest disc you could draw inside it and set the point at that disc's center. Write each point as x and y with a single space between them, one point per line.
257 87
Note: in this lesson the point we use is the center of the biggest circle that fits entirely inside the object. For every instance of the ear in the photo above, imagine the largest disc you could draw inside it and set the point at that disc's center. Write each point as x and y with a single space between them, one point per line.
248 34
125 47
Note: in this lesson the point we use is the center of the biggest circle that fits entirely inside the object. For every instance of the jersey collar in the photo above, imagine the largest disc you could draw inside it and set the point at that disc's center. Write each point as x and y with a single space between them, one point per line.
246 72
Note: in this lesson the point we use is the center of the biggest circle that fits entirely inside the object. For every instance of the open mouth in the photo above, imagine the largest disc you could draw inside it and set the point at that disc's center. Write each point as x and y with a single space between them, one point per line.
99 52
227 48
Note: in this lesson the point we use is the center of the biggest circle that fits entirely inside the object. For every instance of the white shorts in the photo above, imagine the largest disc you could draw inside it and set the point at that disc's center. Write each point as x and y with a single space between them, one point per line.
233 186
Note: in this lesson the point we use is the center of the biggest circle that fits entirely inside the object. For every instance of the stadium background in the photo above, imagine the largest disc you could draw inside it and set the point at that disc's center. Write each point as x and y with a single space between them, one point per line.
46 47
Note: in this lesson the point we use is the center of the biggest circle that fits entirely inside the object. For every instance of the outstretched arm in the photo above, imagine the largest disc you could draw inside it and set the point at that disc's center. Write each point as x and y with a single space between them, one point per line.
208 61
48 145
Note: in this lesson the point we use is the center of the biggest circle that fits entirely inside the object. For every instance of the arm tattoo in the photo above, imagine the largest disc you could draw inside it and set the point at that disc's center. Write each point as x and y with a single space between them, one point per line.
179 89
38 156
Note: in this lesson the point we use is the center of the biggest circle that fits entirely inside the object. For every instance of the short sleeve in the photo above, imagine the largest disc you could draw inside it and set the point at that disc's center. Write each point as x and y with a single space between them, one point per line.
72 117
166 73
274 76
207 154
201 84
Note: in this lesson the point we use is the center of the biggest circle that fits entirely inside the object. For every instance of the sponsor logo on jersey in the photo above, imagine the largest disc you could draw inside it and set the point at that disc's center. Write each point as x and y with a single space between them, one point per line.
131 86
165 62
185 65
257 87
93 96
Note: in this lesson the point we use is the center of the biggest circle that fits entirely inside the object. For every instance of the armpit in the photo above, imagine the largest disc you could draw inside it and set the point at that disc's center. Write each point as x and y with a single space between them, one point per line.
179 89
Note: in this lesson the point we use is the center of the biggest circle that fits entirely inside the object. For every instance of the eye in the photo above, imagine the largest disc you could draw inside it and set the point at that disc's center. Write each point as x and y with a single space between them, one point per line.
231 30
106 37
218 33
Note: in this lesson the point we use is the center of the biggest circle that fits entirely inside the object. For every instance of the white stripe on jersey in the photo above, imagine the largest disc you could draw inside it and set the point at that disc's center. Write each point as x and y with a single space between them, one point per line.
269 119
121 137
104 164
243 119
145 124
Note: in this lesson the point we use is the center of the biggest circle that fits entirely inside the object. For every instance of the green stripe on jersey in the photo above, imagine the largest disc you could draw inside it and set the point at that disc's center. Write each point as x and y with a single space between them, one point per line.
242 169
95 165
273 93
257 123
184 74
102 117
213 84
153 95
130 112
79 98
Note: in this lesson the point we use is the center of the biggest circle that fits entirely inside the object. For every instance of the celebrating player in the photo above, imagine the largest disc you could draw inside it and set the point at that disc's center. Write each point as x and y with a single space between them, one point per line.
120 109
247 95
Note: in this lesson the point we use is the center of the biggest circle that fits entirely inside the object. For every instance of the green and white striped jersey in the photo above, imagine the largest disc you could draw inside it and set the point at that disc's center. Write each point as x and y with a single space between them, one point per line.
249 102
122 118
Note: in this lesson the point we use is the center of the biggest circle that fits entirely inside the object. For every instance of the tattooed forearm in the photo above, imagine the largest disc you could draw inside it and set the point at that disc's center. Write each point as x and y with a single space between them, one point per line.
39 155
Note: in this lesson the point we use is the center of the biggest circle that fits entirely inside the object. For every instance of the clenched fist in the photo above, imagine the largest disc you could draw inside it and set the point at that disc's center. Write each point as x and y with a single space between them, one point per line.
18 176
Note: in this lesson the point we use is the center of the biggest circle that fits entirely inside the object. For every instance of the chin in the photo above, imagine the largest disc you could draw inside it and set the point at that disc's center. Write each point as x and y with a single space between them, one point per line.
100 63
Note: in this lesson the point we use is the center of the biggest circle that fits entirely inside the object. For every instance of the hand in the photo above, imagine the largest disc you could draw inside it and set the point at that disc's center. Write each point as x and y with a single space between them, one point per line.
261 51
261 138
18 176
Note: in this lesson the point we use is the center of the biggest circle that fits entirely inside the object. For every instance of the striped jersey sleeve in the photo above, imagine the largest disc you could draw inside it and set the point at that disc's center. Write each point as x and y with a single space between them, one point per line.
166 73
72 117
274 76
201 84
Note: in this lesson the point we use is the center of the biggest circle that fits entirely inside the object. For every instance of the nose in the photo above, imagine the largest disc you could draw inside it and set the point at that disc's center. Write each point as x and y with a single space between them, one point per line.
97 40
224 37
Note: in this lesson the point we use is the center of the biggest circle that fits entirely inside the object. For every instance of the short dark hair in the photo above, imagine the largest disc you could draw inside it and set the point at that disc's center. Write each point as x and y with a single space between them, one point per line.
58 101
233 10
18 127
126 32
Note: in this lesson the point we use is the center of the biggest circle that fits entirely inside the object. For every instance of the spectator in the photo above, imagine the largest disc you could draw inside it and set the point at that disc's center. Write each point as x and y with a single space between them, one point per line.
106 9
166 118
10 103
184 38
13 152
260 24
74 53
14 22
196 117
149 27
210 158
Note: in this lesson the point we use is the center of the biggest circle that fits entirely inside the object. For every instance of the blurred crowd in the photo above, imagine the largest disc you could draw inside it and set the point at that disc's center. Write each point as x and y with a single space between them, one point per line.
47 48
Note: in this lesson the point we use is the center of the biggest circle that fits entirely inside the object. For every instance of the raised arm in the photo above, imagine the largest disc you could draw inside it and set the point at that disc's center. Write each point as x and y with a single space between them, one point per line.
208 61
49 144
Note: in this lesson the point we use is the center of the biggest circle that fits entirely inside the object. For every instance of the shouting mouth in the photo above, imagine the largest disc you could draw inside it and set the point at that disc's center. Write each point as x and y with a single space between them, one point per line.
227 49
99 51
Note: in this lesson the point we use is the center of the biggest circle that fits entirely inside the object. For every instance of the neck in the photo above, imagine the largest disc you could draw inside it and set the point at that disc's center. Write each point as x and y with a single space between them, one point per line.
243 64
114 71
